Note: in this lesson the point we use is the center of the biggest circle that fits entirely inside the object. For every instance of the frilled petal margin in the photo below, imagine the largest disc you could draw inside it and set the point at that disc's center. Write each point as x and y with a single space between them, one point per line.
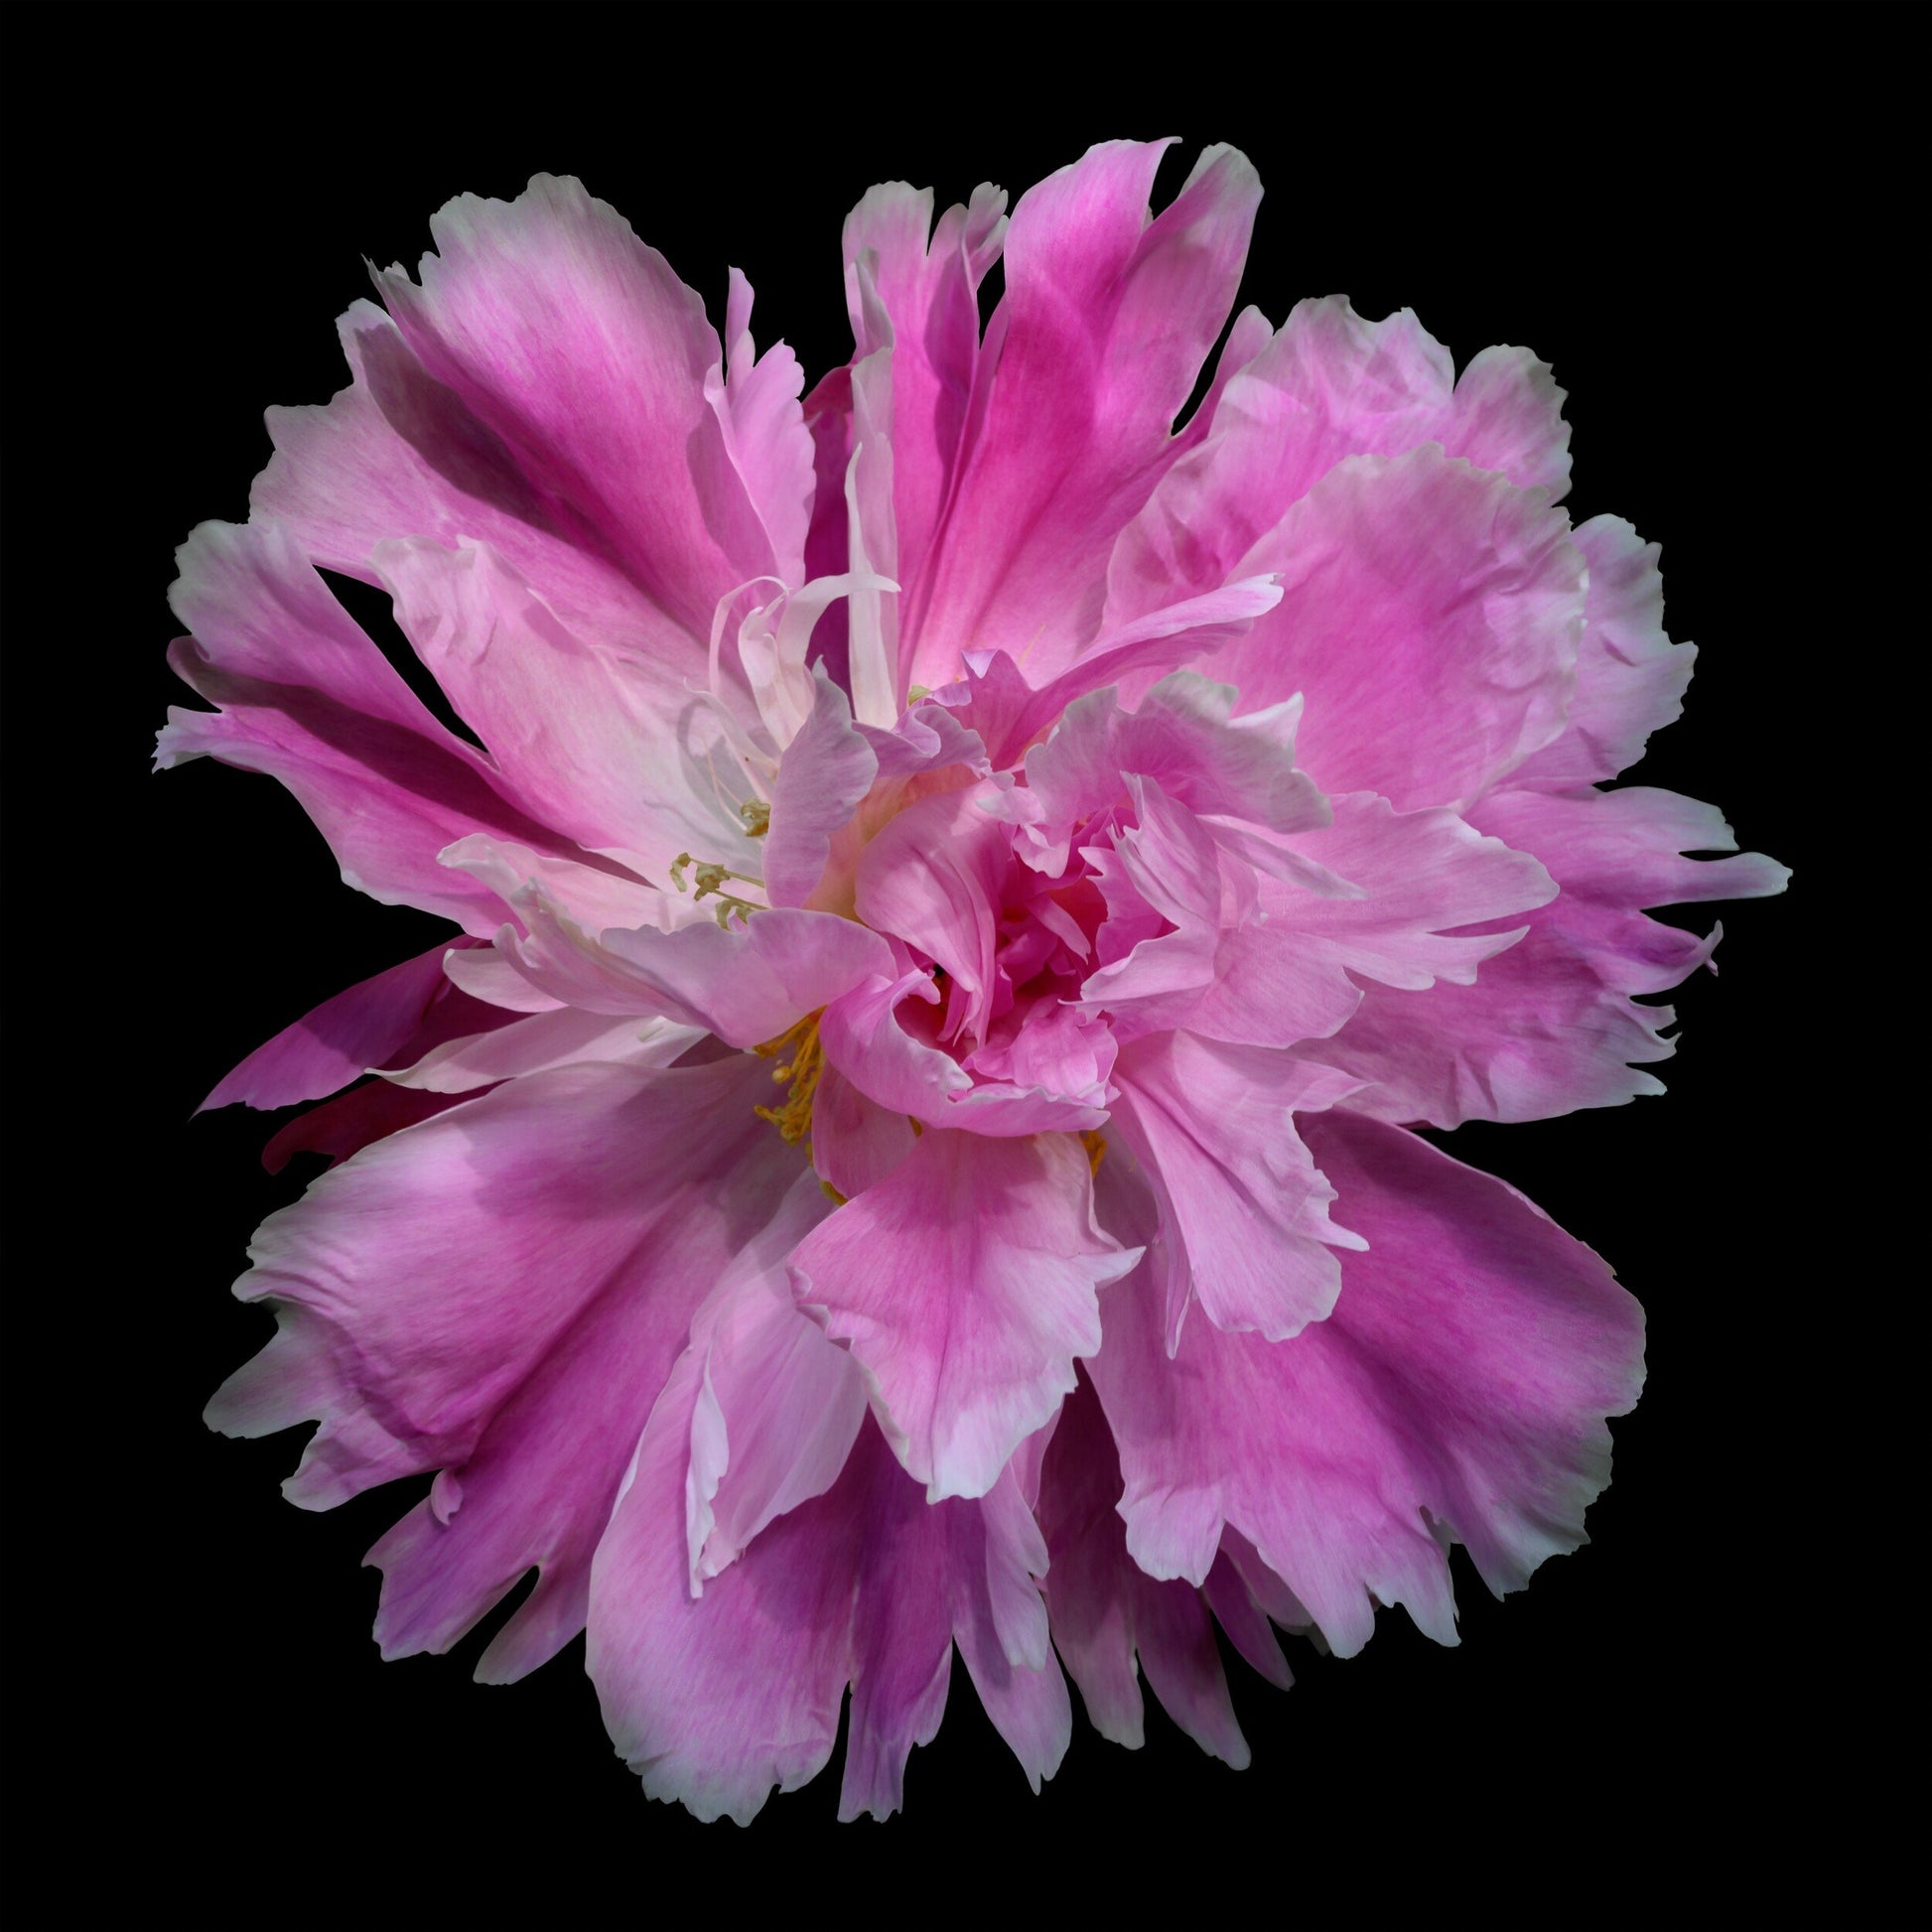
1458 1393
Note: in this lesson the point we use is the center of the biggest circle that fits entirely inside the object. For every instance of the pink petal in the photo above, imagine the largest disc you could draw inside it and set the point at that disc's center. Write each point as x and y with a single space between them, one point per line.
1458 1390
1551 1025
926 290
1106 321
1630 677
856 1143
964 1283
1329 386
1104 1608
1429 616
540 1042
1244 1212
499 1293
577 347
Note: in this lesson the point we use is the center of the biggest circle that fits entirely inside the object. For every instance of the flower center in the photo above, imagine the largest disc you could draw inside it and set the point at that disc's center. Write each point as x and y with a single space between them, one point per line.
800 1063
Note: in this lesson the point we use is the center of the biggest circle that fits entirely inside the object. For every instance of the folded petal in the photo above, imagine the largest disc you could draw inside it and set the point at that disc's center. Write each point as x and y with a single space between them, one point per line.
965 1286
1457 1391
824 772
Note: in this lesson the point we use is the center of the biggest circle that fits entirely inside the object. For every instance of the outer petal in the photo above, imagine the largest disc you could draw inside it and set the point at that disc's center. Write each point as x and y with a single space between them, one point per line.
577 347
1551 1025
499 1293
1106 322
340 1041
715 1700
1430 616
1458 1390
964 1285
1104 1607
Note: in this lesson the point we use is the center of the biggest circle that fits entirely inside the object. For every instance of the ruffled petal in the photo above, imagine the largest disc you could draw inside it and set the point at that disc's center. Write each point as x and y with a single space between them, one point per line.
1430 616
1457 1391
1328 386
824 772
1552 1025
964 1285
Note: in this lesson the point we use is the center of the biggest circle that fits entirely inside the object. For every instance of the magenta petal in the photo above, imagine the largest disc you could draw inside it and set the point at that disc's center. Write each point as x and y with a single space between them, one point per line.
1458 1390
499 1293
964 1284
1105 1610
715 1700
1106 322
337 1042
579 348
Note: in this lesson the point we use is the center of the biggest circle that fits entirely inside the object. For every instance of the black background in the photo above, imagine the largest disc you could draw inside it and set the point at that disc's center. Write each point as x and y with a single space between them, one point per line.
1695 214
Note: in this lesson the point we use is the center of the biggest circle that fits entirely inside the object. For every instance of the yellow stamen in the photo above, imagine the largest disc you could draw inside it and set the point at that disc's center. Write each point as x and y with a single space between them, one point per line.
756 815
711 881
799 1065
832 1193
1096 1145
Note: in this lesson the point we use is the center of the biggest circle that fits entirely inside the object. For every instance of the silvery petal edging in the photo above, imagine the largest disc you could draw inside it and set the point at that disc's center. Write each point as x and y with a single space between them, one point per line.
965 896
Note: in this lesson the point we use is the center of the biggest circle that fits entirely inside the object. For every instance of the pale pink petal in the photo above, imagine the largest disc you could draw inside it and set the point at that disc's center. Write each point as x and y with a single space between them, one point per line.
856 1143
1630 677
1507 415
1106 322
1104 1608
824 772
1244 1212
340 1041
586 739
499 1293
583 353
763 431
1429 616
1458 1391
1552 1025
538 1041
306 697
778 1406
964 1284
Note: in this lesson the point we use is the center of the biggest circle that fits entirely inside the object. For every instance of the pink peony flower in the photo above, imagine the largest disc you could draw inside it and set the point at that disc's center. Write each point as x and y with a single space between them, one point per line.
966 893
